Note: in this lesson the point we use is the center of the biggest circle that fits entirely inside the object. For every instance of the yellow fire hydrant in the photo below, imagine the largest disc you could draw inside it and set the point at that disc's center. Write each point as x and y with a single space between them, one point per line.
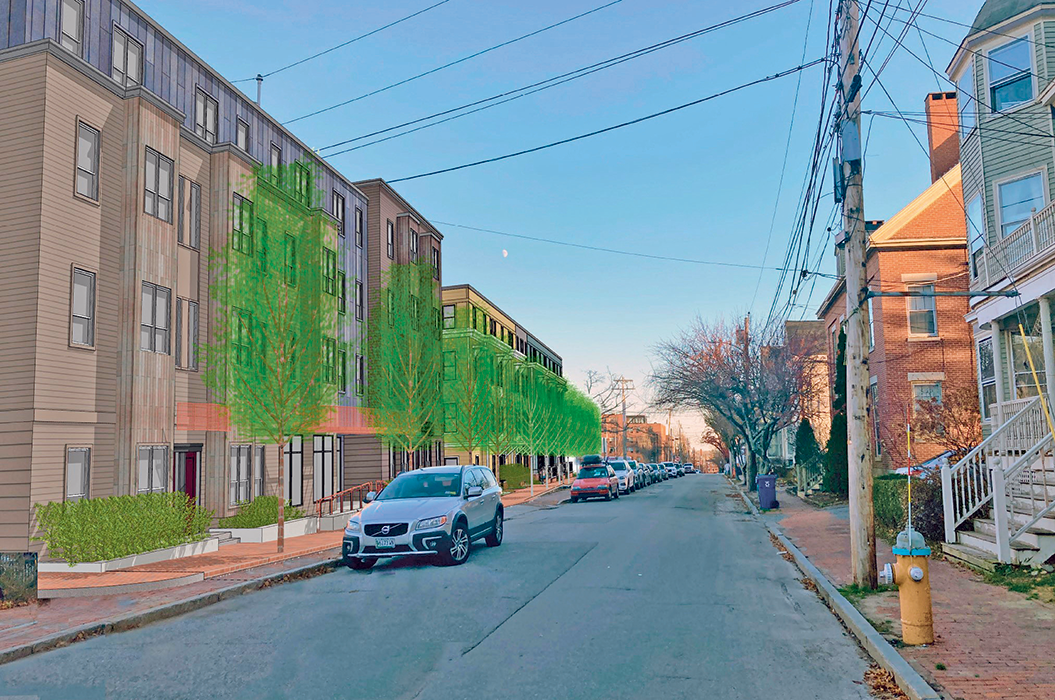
911 575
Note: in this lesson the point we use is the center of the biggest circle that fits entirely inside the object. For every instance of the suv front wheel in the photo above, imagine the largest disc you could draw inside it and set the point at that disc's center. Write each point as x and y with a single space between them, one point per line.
458 551
497 531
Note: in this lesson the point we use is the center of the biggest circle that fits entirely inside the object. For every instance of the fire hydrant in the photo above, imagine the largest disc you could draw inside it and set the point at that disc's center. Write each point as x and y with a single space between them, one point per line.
911 574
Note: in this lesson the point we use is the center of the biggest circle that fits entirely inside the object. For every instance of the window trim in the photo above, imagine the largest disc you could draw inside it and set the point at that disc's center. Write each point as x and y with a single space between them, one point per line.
77 169
338 212
982 381
360 374
239 122
243 233
982 235
1030 71
188 363
233 484
909 311
71 447
342 292
1021 175
128 37
359 293
189 236
164 449
329 271
360 224
74 269
157 184
79 41
969 104
391 233
276 167
154 328
929 382
200 92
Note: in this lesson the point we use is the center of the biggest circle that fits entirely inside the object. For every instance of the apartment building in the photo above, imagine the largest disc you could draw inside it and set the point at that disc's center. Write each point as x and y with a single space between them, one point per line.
645 441
123 153
482 316
919 347
396 234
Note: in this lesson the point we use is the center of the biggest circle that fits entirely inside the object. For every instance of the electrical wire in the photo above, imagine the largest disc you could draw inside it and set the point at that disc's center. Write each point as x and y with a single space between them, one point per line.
647 117
463 59
346 43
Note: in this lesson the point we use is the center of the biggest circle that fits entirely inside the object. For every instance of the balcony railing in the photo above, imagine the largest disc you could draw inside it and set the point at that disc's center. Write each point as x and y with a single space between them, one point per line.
1020 248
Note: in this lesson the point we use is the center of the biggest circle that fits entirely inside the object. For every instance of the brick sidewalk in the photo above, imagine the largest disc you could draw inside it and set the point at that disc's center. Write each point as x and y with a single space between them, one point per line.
993 642
515 498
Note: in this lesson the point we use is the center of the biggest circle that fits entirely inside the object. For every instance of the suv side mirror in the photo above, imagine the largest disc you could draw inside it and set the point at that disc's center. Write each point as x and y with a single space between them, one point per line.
370 497
473 492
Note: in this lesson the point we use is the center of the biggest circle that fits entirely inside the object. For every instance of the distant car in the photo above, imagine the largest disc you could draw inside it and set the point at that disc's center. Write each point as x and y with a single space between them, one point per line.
595 481
625 474
671 468
661 473
689 469
436 511
640 478
680 469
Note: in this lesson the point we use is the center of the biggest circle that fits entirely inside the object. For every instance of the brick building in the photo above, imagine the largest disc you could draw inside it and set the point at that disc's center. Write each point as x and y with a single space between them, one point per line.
919 346
645 441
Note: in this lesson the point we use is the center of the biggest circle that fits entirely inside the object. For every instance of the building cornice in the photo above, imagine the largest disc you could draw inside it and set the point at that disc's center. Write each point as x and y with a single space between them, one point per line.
970 42
407 206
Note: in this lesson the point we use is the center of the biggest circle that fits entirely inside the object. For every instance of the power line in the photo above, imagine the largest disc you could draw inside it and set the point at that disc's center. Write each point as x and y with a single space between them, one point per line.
664 112
600 249
552 81
346 43
453 63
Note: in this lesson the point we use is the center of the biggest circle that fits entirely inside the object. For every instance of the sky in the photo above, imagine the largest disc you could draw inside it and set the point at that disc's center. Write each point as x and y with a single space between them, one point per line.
700 183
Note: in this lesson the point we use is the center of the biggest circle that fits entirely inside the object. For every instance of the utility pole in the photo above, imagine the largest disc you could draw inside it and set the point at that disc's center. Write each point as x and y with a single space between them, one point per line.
862 515
624 385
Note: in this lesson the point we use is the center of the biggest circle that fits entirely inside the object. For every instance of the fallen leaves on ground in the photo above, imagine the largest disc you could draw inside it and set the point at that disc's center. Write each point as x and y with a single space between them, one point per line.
882 684
781 548
808 584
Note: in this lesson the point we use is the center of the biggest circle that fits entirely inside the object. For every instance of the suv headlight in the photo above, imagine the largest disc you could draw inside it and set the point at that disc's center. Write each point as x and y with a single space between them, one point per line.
352 526
431 523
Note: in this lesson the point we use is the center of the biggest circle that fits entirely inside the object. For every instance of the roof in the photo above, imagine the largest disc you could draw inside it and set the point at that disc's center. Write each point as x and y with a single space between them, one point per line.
382 184
994 12
916 221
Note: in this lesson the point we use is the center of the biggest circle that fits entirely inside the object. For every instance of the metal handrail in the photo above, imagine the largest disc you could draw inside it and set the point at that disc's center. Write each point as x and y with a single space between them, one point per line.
348 494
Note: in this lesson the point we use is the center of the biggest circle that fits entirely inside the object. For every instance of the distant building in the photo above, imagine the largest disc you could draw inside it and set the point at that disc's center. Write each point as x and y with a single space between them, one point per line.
645 442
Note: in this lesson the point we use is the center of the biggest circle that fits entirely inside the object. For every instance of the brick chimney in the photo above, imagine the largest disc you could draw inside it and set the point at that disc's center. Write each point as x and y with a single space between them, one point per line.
943 122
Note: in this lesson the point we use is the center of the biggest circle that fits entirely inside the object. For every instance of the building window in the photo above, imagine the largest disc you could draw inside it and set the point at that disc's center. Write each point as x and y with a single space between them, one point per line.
127 59
72 25
205 117
294 486
240 476
922 311
873 398
436 263
301 184
923 392
276 163
975 232
242 225
1010 75
359 228
448 316
154 325
450 371
1017 200
82 308
241 135
965 100
871 325
242 339
157 200
391 241
342 371
153 468
986 376
360 374
359 301
78 467
291 260
188 360
258 472
329 271
188 227
329 359
413 245
1022 348
342 293
337 209
87 161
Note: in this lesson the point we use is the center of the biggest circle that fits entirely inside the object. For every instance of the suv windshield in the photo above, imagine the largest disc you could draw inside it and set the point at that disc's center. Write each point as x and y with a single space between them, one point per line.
593 473
418 485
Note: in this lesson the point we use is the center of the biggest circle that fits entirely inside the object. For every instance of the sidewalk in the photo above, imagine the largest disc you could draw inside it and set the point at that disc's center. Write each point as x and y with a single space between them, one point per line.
994 643
515 498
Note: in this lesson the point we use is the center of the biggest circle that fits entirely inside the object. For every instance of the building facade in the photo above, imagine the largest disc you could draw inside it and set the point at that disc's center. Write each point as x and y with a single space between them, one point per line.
646 441
920 346
123 158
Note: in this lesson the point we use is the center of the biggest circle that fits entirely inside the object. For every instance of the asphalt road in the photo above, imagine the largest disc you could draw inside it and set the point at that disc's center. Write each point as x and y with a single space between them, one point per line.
672 592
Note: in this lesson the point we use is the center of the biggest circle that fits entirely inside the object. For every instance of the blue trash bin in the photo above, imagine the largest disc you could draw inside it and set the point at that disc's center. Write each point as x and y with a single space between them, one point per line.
767 491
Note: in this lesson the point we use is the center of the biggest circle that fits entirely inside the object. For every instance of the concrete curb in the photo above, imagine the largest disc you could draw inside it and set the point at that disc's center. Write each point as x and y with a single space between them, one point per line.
161 612
121 588
907 678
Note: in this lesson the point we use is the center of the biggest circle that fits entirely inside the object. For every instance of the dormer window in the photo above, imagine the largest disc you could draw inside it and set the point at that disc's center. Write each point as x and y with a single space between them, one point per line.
1010 75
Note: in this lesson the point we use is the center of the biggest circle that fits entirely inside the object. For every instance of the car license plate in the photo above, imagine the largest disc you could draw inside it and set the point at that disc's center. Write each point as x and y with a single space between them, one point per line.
384 542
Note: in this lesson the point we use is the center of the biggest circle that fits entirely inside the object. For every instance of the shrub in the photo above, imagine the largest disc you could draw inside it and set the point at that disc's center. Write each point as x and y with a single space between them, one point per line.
836 460
515 476
261 511
107 528
806 446
890 500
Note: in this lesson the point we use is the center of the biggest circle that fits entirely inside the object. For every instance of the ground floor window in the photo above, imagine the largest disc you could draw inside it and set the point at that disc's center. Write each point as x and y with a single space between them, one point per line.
925 391
240 474
986 377
322 466
294 492
78 464
152 468
1022 348
258 472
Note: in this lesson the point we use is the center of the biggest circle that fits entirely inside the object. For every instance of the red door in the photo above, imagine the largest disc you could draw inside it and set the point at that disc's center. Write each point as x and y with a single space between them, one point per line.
186 472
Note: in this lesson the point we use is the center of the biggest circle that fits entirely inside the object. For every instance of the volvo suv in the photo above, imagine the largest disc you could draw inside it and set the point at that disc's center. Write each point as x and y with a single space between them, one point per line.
436 511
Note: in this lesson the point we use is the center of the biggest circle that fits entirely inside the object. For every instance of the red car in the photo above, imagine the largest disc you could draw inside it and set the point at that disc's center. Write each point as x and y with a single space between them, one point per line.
595 481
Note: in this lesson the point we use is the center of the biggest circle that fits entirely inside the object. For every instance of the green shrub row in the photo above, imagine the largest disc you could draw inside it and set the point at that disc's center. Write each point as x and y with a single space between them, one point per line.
890 501
261 511
107 528
515 476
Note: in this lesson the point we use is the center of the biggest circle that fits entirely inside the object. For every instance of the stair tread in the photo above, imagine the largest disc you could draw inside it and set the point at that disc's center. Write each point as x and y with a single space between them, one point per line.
1020 546
1033 530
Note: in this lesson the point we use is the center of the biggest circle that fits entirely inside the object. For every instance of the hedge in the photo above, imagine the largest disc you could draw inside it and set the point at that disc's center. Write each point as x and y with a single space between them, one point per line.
890 501
98 529
260 512
515 476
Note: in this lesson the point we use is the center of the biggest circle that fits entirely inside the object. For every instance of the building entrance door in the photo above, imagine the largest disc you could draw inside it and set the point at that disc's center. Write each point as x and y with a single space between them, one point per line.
187 471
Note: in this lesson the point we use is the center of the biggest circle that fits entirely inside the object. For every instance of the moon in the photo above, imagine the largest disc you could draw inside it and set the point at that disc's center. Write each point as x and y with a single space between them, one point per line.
505 253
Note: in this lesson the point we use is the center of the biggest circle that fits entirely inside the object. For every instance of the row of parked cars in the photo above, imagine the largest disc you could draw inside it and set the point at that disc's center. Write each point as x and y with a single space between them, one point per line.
609 478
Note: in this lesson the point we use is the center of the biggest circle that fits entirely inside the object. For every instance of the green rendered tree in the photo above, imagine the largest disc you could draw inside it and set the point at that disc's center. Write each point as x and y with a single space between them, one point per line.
405 356
502 400
836 459
272 358
468 376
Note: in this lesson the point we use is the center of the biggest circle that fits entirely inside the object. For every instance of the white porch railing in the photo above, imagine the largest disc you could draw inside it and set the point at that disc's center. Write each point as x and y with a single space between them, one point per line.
1017 249
1009 409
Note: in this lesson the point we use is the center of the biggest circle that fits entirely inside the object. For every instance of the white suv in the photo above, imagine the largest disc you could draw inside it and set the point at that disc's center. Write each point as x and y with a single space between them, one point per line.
437 511
625 474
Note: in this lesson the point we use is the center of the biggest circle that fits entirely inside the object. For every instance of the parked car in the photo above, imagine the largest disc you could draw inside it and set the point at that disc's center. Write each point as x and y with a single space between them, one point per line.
689 469
671 468
650 475
661 473
625 474
680 469
640 479
436 511
595 481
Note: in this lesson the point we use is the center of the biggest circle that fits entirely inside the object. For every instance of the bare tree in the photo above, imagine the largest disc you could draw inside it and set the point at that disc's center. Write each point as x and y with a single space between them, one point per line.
601 387
753 383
